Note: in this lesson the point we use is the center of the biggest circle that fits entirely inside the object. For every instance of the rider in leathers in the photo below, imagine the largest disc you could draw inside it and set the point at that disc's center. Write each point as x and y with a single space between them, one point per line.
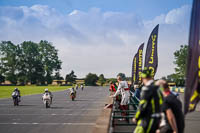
148 114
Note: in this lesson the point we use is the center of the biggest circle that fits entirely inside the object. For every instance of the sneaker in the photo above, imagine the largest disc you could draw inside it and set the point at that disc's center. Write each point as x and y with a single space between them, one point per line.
122 119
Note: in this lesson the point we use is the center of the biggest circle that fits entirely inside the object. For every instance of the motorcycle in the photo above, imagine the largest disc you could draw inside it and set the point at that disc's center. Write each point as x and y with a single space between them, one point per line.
82 88
73 96
16 98
46 100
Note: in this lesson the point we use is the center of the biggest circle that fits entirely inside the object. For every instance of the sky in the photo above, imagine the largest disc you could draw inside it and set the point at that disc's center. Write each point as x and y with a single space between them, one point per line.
99 36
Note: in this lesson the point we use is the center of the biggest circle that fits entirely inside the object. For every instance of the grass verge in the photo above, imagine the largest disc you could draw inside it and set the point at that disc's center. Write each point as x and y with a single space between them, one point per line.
6 91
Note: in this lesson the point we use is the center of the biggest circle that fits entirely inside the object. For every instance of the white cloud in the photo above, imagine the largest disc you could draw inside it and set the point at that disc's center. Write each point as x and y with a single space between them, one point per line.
96 41
178 16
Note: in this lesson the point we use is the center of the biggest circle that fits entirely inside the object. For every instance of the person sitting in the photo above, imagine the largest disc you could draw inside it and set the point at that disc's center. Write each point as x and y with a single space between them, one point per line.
49 92
16 93
76 87
72 91
82 87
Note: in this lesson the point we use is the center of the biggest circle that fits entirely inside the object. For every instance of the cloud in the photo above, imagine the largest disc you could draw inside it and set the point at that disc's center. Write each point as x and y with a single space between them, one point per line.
96 41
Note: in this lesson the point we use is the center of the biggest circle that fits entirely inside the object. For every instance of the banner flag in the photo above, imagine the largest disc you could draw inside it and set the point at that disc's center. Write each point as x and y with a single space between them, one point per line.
151 57
134 69
192 90
139 63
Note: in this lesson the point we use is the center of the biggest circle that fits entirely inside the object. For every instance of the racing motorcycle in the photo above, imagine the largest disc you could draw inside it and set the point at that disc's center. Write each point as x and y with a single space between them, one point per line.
46 100
73 96
16 98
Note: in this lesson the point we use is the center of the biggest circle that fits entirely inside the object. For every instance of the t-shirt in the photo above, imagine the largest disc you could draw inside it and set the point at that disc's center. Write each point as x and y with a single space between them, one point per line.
171 102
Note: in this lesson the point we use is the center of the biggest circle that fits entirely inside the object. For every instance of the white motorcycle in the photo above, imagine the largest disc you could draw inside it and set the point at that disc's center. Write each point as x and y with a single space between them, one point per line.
46 100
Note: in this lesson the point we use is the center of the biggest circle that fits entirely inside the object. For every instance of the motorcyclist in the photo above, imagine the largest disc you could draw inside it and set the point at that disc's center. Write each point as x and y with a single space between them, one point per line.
49 92
15 93
72 90
76 87
82 87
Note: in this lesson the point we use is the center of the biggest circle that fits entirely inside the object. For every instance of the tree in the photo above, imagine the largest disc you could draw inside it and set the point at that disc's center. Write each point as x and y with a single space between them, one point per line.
2 78
9 61
112 80
29 62
30 59
49 59
91 79
102 80
58 77
71 77
180 60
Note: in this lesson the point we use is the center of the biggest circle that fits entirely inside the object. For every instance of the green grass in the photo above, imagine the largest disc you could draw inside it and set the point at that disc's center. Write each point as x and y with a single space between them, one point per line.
6 91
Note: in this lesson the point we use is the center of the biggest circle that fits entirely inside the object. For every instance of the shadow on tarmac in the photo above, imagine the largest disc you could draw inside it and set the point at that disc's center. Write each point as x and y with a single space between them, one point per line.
26 105
57 108
82 100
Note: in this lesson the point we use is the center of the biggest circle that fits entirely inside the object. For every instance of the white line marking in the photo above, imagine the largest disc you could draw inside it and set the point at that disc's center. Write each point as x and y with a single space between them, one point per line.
78 102
52 109
49 114
77 124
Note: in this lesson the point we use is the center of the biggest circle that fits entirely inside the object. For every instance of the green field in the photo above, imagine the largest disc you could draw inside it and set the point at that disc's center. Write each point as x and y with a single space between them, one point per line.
6 91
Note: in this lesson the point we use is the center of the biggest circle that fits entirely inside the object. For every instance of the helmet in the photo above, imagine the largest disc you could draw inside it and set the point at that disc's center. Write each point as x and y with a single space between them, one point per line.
46 89
16 89
146 73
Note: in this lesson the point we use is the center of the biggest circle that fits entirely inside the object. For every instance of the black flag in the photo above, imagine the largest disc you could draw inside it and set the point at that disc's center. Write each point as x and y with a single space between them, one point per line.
139 63
151 58
192 91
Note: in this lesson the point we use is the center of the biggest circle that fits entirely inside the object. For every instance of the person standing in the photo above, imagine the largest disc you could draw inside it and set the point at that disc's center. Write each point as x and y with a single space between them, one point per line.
148 114
123 89
112 87
172 109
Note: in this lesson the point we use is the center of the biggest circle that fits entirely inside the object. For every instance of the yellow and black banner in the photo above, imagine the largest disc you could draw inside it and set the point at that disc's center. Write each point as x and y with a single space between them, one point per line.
134 69
137 65
192 90
151 57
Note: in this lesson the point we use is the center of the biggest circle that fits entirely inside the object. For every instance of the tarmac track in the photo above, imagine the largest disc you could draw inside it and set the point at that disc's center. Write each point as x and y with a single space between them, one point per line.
64 116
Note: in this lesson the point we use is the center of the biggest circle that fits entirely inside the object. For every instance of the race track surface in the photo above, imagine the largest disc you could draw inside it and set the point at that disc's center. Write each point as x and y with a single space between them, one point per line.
64 116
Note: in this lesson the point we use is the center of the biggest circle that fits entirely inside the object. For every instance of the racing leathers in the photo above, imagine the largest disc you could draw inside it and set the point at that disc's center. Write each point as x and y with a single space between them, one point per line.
51 95
123 89
148 114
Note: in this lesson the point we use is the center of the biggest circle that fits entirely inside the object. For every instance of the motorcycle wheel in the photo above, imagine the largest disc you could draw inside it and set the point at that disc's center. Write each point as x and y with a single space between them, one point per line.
47 105
14 101
17 101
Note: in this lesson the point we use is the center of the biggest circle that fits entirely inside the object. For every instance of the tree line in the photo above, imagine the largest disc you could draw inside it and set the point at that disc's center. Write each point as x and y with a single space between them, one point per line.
180 61
91 79
29 62
36 63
